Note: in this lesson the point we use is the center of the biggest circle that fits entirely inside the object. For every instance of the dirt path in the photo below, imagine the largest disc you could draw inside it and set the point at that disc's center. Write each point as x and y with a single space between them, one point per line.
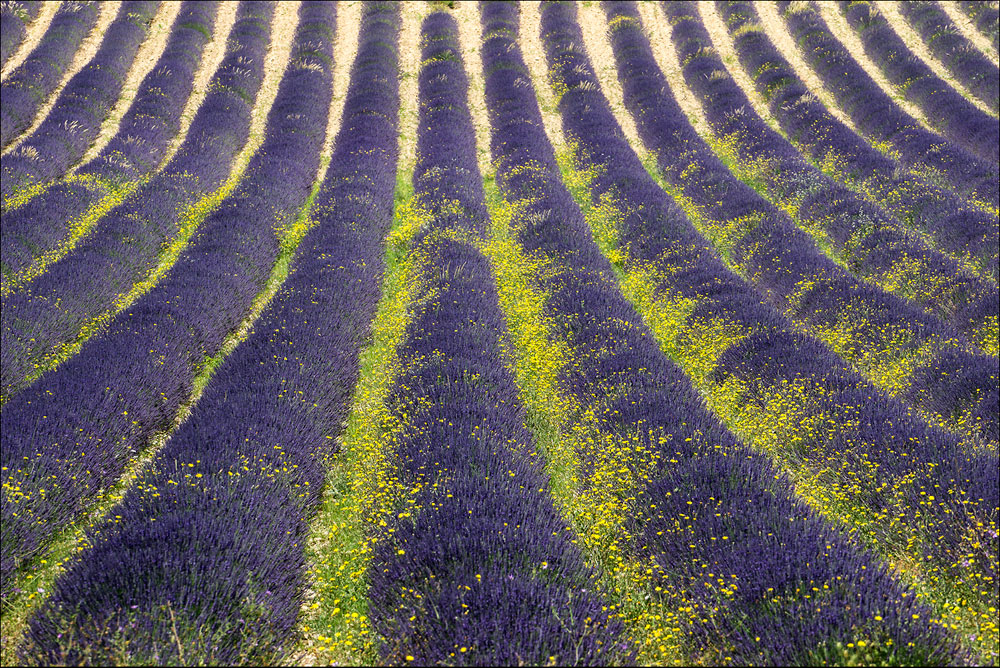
534 58
470 37
968 29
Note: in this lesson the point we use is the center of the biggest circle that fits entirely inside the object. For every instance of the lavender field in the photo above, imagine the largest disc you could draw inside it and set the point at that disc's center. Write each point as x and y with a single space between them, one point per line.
499 333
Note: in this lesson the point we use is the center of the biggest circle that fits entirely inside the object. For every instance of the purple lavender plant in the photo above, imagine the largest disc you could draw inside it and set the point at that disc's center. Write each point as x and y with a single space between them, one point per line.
25 90
965 62
14 17
869 427
125 246
620 373
878 116
774 255
235 553
956 227
950 113
986 16
78 437
485 573
74 121
144 134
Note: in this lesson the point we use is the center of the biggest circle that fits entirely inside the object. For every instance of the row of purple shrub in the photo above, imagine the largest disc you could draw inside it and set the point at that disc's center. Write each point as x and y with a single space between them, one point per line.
879 118
486 571
767 355
14 17
229 537
24 92
77 441
774 255
704 474
966 231
966 63
57 307
945 108
85 101
42 224
986 16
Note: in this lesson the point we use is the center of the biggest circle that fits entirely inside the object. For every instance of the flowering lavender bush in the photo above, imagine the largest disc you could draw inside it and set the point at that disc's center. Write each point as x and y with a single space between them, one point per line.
13 19
45 225
986 16
68 302
955 226
82 439
700 474
25 90
945 108
966 63
858 321
84 102
479 567
879 117
259 439
858 456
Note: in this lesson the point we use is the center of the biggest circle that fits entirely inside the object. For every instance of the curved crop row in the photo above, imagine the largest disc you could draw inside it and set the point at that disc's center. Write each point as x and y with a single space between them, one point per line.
986 16
477 566
85 287
25 90
680 513
881 120
904 351
965 62
288 385
45 227
965 231
945 108
13 18
852 452
65 435
76 117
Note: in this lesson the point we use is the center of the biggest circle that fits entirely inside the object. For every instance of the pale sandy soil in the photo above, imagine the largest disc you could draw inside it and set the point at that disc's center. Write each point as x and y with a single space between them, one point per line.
968 29
602 59
88 48
32 35
913 40
149 52
344 51
774 27
470 37
211 57
658 31
534 57
409 62
838 25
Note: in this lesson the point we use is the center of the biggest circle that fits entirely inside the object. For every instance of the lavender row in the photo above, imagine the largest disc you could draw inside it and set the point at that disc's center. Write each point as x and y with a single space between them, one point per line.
945 108
956 227
43 223
14 16
965 62
84 102
737 493
78 439
486 572
61 305
778 258
986 16
289 384
762 375
25 90
878 116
